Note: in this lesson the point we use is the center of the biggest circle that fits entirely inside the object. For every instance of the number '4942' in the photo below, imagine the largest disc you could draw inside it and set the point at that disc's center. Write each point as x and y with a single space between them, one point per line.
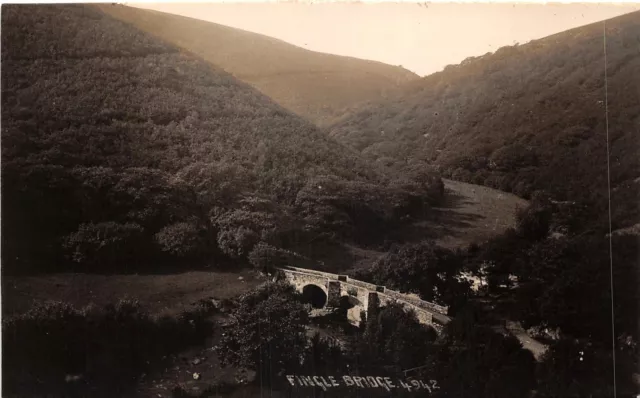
414 385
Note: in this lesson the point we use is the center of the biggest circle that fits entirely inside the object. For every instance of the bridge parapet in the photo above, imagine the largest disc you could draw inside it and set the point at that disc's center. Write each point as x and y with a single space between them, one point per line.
368 294
310 271
364 285
417 302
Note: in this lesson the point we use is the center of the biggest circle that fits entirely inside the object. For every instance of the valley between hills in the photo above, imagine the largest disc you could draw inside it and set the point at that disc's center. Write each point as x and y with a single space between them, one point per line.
158 172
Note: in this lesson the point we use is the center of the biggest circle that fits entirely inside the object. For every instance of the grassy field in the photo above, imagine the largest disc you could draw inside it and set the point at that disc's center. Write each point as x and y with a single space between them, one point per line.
470 214
473 213
161 294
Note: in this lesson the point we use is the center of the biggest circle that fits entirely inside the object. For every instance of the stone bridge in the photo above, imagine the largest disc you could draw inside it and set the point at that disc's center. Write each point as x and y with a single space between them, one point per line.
325 290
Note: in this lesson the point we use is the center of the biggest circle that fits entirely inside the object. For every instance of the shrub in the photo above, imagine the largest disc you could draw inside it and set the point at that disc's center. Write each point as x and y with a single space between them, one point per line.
213 390
533 223
479 361
106 243
182 239
324 357
577 368
239 230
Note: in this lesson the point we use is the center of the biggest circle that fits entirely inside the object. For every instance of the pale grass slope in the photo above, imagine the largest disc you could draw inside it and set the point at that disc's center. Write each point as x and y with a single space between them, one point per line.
483 213
469 214
314 85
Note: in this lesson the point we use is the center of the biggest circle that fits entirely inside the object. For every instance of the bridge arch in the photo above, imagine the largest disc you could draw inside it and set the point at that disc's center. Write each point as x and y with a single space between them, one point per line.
315 295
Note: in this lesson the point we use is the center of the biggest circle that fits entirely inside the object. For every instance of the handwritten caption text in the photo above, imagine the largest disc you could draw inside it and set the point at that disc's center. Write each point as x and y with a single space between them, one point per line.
327 382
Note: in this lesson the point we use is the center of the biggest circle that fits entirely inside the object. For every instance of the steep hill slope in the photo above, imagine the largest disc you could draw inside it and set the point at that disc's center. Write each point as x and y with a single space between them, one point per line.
524 118
314 85
118 149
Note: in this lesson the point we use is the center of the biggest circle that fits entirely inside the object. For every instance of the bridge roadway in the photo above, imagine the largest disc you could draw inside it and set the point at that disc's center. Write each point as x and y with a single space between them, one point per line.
324 289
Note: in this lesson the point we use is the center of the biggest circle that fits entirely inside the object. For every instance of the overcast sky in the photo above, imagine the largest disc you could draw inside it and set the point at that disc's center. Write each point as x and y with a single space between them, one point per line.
422 38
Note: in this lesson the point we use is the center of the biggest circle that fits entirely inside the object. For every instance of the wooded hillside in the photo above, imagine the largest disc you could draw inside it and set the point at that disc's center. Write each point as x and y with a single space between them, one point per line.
525 118
120 150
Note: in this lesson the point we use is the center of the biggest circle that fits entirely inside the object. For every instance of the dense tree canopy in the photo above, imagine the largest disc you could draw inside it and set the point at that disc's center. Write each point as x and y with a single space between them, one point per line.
120 151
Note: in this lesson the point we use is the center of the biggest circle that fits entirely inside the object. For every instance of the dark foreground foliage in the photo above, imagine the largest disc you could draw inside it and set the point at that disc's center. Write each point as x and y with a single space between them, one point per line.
552 273
469 359
57 350
578 368
563 271
478 361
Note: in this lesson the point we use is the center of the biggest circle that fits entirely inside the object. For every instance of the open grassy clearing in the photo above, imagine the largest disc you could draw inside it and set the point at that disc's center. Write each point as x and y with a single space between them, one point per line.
470 214
474 213
160 294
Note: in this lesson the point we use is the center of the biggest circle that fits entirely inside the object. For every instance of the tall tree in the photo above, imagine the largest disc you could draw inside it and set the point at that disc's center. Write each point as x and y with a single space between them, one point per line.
423 268
268 333
394 340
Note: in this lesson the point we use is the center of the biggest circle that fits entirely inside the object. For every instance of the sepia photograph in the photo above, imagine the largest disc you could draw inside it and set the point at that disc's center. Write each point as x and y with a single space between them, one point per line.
306 199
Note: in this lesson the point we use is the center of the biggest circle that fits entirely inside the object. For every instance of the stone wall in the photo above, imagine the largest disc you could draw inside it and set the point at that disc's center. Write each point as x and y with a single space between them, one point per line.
417 302
311 272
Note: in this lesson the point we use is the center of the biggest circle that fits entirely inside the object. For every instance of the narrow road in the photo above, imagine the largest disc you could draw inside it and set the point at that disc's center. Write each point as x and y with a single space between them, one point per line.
528 342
